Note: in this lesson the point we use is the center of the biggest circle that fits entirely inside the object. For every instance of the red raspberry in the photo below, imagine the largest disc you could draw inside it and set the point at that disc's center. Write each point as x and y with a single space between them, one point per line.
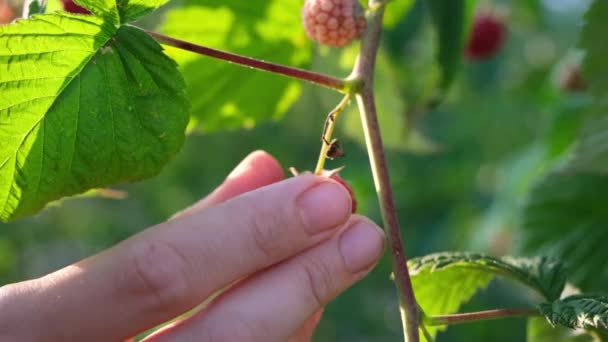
336 176
72 7
487 37
333 22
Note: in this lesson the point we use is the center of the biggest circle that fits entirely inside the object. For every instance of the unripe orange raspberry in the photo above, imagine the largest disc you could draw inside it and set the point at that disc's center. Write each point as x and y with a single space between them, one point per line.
333 22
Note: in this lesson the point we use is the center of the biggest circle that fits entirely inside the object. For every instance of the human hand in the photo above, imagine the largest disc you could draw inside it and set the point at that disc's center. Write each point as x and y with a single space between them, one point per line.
279 249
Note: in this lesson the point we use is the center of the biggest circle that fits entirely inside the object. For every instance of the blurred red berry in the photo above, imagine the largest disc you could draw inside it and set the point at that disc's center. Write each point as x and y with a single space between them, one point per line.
335 176
572 80
6 13
487 37
72 7
333 22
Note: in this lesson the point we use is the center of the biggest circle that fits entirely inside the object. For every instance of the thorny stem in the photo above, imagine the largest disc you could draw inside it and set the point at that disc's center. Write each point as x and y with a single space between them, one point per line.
364 71
326 137
301 74
479 316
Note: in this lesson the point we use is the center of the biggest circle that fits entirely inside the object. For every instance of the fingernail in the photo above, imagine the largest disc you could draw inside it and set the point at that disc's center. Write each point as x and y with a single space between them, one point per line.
324 206
361 246
244 165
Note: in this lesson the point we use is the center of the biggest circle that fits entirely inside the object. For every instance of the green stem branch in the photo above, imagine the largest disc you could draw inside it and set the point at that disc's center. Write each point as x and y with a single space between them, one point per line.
479 316
254 63
364 72
426 333
326 137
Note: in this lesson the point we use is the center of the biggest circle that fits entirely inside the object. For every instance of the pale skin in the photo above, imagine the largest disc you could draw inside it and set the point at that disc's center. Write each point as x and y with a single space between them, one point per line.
279 250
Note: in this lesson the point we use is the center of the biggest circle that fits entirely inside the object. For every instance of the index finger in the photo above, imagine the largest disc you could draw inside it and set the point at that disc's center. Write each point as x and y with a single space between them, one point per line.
25 307
167 270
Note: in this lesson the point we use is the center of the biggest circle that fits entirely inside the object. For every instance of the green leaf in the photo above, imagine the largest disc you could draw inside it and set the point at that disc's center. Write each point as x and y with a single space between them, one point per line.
578 312
565 216
227 96
131 10
444 290
593 40
121 11
539 330
451 19
444 281
84 104
545 275
566 126
401 25
396 12
565 213
106 9
591 152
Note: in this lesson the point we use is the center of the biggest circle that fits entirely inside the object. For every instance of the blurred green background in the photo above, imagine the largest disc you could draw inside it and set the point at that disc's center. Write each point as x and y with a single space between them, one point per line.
460 171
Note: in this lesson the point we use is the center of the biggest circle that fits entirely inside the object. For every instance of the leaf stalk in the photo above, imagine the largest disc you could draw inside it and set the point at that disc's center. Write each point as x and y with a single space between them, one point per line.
479 316
254 63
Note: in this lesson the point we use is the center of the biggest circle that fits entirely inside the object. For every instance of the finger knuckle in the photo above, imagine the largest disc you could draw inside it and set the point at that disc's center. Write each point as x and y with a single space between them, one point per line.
318 279
268 233
158 272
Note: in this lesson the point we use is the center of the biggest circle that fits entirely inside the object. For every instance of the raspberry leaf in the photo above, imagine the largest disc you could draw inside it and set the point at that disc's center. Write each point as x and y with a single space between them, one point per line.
105 9
591 154
539 330
593 40
565 214
565 217
84 104
270 30
445 281
121 11
444 290
131 10
580 311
